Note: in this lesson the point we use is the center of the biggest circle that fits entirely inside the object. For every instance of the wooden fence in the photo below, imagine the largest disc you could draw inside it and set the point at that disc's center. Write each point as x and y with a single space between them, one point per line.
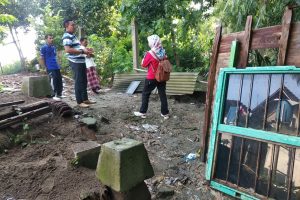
284 37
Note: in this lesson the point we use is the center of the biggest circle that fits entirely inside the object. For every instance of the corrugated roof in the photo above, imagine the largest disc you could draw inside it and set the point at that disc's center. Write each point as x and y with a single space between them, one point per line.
180 82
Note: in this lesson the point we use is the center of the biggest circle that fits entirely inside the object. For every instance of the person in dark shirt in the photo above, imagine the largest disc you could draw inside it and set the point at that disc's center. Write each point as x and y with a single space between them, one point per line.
76 57
48 60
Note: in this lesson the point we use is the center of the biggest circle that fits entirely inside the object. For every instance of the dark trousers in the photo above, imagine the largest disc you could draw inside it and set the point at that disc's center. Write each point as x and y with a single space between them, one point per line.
56 81
150 85
79 73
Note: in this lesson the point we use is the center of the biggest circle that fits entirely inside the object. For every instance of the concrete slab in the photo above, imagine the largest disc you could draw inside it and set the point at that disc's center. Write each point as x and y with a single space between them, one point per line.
36 86
87 153
123 164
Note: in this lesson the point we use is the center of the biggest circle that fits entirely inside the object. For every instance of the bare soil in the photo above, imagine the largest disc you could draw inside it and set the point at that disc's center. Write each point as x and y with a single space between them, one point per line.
40 165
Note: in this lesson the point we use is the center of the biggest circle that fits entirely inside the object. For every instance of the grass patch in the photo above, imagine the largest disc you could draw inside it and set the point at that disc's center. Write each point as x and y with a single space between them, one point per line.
12 68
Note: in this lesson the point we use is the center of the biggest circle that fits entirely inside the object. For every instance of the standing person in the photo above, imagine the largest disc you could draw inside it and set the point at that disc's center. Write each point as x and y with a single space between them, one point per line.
91 72
48 60
151 62
76 57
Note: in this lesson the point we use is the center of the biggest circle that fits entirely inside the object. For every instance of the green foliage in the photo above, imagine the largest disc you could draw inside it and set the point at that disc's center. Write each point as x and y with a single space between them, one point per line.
1 87
75 162
12 68
4 19
49 23
111 55
265 13
233 14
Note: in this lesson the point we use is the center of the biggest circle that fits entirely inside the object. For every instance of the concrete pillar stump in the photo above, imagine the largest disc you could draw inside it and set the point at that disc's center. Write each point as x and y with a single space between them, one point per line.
123 164
36 86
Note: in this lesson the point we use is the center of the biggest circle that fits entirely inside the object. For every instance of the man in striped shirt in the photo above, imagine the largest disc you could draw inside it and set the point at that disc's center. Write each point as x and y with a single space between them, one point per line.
77 62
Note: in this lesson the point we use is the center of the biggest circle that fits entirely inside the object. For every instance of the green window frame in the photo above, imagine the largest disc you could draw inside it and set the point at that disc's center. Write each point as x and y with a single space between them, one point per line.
275 139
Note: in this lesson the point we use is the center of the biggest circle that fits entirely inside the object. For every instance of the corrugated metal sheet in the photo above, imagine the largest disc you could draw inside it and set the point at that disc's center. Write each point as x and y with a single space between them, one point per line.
180 82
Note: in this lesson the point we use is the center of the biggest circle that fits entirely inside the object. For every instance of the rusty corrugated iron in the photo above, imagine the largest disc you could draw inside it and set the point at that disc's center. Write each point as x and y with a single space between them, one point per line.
180 83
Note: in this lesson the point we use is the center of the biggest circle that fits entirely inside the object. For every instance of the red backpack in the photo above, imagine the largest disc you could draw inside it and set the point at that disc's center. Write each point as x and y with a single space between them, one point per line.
163 70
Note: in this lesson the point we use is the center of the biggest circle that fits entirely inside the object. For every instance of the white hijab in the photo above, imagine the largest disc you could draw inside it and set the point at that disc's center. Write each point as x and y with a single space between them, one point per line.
155 45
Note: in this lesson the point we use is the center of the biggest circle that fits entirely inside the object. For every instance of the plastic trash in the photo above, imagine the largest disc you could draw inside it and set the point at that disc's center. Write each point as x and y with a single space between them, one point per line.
150 128
190 157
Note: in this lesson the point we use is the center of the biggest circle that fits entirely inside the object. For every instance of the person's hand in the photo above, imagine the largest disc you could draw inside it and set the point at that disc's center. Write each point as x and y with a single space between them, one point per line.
89 52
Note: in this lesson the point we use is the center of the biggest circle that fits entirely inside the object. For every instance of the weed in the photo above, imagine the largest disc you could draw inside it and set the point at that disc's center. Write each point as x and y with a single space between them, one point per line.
75 162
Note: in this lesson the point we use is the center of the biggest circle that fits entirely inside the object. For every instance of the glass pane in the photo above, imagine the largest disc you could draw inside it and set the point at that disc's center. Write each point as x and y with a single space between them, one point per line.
290 104
234 160
232 98
224 146
273 102
295 195
264 167
282 159
248 164
245 100
258 101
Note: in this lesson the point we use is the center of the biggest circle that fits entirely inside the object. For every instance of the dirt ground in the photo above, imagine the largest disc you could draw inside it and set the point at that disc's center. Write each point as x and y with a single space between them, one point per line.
40 167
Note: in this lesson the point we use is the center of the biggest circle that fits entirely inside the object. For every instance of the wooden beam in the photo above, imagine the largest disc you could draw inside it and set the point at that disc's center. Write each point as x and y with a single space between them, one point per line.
246 44
28 115
210 92
11 103
135 43
284 39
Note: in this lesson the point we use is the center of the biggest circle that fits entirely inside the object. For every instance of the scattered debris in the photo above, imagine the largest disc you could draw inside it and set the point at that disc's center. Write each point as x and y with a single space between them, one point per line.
134 128
150 128
190 157
164 192
89 121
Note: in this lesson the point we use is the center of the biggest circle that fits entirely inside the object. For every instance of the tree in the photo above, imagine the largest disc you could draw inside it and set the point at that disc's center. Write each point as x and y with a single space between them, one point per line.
4 19
20 10
177 22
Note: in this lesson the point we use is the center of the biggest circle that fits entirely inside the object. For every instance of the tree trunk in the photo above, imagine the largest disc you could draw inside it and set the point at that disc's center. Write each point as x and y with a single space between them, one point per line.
22 60
174 48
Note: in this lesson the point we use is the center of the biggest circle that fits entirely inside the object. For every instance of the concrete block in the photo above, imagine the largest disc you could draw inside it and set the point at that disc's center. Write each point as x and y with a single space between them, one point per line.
87 153
123 164
36 86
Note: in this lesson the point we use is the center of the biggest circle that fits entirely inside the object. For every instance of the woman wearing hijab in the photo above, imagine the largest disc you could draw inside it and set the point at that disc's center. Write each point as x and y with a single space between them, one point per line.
151 61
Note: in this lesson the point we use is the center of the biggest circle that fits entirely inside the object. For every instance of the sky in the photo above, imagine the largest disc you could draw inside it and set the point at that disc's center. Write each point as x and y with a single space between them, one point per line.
8 50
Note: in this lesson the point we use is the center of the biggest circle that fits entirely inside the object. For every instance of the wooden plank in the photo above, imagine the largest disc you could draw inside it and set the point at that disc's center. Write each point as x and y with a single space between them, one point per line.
225 45
293 57
209 94
245 44
284 39
28 115
11 103
261 38
266 37
223 59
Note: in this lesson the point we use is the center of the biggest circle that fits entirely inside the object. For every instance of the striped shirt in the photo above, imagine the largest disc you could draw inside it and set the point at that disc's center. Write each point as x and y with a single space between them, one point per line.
72 41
